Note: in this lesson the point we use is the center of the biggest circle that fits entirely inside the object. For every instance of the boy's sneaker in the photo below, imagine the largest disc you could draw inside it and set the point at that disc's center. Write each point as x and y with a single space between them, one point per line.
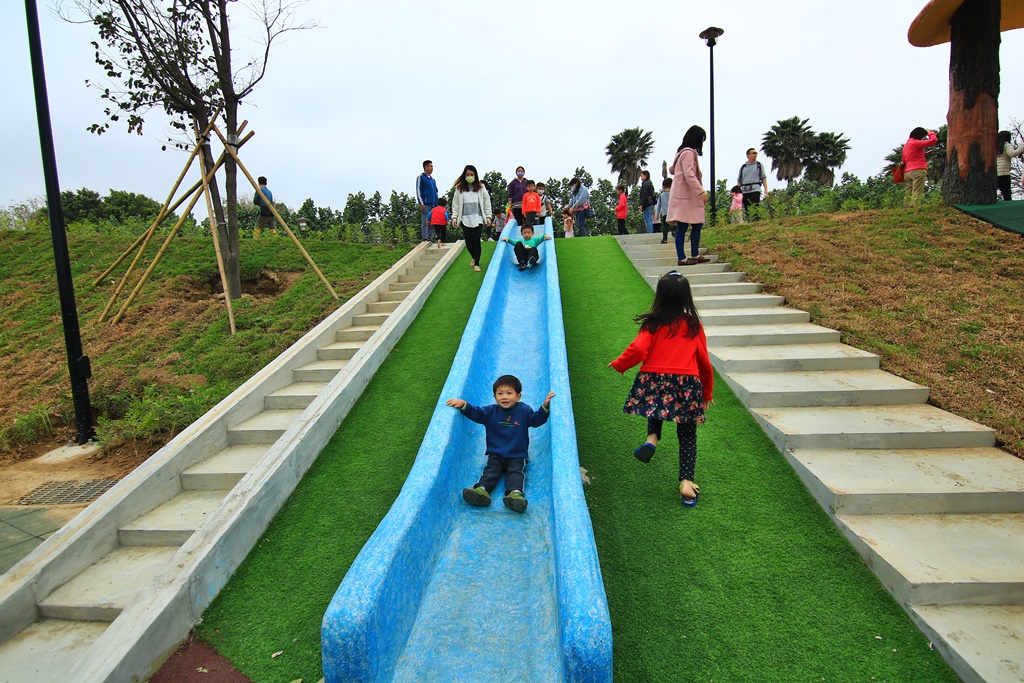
515 500
532 262
477 496
522 265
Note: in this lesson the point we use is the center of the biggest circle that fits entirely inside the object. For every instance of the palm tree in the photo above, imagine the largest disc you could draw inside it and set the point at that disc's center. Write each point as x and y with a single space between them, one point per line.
627 154
827 153
787 143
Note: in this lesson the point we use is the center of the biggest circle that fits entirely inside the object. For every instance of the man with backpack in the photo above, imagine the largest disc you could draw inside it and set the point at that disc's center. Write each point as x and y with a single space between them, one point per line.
751 179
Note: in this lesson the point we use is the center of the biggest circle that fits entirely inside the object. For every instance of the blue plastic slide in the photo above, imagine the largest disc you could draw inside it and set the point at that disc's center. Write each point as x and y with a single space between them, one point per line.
447 592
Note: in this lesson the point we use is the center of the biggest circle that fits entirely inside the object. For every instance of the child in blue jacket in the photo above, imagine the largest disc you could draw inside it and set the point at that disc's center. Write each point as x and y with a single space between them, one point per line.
507 423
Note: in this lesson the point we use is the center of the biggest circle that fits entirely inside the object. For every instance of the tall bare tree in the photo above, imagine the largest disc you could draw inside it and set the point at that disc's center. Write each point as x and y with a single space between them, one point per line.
176 55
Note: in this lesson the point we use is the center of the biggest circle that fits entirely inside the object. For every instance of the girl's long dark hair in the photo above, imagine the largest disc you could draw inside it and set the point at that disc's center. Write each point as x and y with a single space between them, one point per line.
673 304
694 139
462 186
1003 138
918 133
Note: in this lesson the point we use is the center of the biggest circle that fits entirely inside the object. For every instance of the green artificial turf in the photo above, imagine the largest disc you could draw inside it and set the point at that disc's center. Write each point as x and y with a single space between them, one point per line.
753 584
277 598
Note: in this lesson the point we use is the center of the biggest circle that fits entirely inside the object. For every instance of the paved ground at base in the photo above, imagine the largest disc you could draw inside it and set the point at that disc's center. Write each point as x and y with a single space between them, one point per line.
23 527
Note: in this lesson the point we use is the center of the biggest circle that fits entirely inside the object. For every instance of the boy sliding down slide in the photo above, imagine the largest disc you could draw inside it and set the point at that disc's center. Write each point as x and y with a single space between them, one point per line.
526 248
507 424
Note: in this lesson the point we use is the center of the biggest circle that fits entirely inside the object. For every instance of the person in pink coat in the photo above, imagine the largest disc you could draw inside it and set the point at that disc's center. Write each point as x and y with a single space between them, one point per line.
916 165
688 198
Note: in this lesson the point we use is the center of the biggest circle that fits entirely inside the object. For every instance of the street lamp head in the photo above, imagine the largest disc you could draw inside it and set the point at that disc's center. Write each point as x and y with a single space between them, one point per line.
710 35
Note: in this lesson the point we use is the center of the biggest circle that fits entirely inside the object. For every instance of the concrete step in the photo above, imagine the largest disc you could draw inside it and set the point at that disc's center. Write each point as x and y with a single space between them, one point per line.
402 286
752 316
911 426
695 277
295 396
319 371
393 295
792 357
668 249
381 306
668 261
355 333
223 470
689 271
45 651
943 559
824 388
707 303
983 643
173 522
265 428
417 272
769 335
369 319
100 592
721 289
339 350
912 481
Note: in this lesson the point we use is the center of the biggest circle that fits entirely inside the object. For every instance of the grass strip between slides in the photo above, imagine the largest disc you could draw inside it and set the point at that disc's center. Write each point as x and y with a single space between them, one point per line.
277 598
755 583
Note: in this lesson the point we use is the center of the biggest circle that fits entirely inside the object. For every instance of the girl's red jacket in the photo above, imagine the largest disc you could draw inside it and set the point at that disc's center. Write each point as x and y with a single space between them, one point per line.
670 354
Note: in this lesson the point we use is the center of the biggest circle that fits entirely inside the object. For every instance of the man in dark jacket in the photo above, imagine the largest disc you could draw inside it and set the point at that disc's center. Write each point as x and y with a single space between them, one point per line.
647 199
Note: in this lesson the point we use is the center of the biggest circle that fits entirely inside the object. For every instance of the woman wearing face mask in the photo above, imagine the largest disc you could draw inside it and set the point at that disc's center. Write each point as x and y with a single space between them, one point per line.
516 190
471 210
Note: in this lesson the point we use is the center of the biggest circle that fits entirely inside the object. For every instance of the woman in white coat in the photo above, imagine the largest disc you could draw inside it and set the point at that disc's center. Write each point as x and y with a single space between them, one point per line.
471 211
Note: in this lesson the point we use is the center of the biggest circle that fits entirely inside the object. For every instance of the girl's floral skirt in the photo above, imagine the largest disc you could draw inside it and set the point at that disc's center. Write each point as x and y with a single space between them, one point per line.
670 398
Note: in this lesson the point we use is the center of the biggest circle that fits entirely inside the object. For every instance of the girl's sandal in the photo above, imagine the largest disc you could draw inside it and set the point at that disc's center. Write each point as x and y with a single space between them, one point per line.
691 502
476 268
701 259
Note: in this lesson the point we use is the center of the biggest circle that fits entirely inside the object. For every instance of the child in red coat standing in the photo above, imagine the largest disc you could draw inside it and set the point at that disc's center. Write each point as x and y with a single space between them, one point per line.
621 209
676 380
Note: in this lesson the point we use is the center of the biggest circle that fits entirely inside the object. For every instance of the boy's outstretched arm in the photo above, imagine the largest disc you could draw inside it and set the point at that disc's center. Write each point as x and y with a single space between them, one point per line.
455 403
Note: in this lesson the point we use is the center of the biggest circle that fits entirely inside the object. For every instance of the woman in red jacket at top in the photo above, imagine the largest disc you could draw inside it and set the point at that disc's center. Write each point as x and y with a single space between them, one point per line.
916 169
621 209
675 381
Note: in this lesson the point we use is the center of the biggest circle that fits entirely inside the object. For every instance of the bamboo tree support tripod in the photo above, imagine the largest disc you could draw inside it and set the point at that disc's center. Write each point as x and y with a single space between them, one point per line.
206 176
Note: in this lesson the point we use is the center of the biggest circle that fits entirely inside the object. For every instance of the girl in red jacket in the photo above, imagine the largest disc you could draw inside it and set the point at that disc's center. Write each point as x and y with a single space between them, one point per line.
676 380
621 209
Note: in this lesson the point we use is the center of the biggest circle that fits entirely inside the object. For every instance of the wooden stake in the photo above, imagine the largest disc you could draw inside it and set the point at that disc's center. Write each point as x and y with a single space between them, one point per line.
273 209
164 211
216 237
188 193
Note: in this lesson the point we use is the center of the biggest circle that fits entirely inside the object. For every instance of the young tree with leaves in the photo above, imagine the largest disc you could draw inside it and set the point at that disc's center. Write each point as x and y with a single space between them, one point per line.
176 55
826 154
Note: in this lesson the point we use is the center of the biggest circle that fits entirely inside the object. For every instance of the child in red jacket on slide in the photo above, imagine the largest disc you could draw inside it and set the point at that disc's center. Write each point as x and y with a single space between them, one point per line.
676 380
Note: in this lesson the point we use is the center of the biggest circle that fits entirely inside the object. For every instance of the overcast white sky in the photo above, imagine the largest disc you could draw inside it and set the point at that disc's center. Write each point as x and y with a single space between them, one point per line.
358 103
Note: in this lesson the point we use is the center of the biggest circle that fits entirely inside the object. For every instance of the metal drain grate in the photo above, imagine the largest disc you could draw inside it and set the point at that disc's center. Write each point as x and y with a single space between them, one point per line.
60 492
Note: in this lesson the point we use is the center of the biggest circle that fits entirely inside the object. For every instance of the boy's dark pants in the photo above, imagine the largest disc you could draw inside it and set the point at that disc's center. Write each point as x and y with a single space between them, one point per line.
441 231
524 252
531 218
514 470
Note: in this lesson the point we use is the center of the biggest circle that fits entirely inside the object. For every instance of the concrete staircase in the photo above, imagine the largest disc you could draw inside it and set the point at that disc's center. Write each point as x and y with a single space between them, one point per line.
113 592
930 504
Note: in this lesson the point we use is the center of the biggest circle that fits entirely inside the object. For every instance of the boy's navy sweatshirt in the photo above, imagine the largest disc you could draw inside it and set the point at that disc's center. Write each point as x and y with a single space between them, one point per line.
508 431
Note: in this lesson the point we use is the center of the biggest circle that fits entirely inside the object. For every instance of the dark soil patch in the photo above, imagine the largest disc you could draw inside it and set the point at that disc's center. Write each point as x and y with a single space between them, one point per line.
194 660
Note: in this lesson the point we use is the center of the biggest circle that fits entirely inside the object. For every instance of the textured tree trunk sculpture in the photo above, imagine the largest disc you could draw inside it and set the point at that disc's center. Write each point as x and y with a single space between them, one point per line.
970 175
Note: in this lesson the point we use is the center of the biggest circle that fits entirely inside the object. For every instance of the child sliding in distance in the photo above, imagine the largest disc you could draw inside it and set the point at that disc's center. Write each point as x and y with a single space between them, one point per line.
507 423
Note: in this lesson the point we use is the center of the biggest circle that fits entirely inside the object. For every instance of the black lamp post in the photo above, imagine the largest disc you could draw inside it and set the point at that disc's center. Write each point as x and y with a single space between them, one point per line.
710 36
78 363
